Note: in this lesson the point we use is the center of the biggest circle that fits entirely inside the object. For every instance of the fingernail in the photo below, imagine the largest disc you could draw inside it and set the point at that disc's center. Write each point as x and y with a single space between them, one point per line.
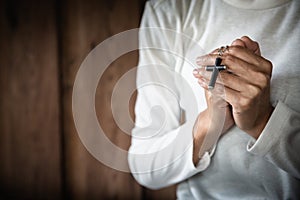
201 72
195 71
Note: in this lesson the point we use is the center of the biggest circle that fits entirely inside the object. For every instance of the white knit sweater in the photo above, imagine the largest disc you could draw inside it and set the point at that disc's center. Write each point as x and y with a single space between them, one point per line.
239 167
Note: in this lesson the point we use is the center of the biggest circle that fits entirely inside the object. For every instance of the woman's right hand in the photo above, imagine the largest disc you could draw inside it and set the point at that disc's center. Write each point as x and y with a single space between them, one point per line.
211 123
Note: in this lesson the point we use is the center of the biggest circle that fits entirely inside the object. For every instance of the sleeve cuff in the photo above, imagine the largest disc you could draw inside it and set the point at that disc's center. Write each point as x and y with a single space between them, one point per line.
203 162
272 131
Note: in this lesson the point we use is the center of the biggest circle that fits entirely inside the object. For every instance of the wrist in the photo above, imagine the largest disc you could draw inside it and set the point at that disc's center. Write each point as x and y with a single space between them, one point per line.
261 123
199 133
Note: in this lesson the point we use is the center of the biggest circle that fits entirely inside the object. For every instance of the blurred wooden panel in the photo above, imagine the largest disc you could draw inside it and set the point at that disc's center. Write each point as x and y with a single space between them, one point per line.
29 105
36 75
84 25
120 67
162 194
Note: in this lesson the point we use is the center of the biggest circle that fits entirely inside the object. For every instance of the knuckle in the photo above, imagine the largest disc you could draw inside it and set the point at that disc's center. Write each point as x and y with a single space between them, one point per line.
236 48
269 66
255 44
254 90
237 104
245 37
244 104
257 62
238 42
263 80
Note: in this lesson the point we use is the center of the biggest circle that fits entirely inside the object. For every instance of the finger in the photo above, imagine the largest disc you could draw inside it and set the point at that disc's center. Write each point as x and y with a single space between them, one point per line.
205 60
251 44
233 82
238 102
234 98
201 74
246 88
242 55
238 42
196 73
203 83
214 100
233 51
246 72
240 52
249 89
233 64
205 75
246 42
218 89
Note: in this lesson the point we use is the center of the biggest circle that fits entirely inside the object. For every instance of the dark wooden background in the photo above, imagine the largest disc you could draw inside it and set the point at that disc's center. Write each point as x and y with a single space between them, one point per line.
42 44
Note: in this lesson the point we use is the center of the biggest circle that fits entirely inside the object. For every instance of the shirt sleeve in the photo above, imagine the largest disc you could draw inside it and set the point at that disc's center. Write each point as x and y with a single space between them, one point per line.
161 149
280 139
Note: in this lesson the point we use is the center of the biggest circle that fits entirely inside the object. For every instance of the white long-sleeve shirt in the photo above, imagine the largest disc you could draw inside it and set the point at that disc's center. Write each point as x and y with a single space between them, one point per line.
173 34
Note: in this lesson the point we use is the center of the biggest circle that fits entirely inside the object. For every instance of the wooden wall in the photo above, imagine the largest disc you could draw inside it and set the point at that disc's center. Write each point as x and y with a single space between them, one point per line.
42 44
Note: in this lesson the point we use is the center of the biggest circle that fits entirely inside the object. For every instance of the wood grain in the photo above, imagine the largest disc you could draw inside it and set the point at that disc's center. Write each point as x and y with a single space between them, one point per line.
84 25
29 108
42 44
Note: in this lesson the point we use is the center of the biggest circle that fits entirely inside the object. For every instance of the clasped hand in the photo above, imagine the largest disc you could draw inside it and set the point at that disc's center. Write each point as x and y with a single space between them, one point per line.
244 87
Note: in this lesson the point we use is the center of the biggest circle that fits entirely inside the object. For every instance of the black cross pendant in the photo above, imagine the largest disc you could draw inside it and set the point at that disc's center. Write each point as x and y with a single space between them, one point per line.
215 72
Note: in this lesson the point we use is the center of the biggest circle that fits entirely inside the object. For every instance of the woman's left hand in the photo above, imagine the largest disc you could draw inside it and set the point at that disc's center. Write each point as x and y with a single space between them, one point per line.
246 84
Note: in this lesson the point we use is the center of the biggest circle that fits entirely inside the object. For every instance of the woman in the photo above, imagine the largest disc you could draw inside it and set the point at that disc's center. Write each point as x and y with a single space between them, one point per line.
253 104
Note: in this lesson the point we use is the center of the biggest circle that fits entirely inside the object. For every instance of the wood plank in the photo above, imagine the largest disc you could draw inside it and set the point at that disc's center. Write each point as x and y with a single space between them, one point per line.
168 193
84 25
29 108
